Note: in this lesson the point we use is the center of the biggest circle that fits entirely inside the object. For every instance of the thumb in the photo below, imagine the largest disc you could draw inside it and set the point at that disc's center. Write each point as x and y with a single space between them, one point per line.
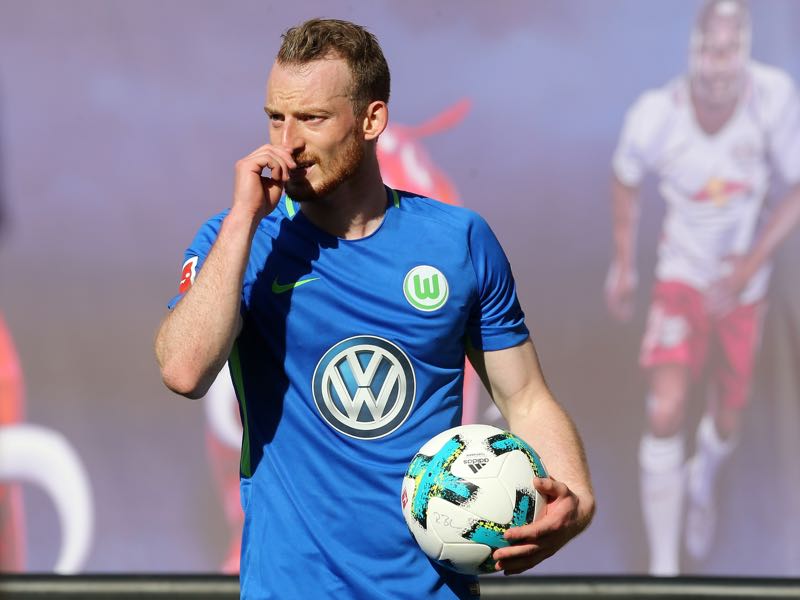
273 190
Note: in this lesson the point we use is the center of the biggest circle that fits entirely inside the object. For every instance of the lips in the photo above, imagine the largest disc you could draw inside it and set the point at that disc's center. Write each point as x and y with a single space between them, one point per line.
300 171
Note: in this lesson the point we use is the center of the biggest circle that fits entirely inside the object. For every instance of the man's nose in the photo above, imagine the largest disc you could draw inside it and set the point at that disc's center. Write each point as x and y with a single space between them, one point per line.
292 135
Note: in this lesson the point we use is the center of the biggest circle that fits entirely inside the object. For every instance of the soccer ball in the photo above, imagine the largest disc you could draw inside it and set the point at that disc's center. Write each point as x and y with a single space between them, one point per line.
464 489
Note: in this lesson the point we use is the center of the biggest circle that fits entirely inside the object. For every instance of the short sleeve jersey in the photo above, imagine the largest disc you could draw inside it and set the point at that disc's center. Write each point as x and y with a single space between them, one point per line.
350 358
714 185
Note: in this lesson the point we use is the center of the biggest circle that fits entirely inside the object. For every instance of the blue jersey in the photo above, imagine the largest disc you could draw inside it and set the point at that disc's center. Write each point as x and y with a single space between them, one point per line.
351 357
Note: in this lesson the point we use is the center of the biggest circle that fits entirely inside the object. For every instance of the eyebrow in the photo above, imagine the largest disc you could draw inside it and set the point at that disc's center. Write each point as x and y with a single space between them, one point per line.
301 113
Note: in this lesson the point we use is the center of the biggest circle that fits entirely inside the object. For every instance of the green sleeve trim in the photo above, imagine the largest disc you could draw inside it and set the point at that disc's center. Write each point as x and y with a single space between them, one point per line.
238 384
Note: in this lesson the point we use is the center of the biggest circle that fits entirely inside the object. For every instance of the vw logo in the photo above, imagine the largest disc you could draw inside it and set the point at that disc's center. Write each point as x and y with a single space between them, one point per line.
364 387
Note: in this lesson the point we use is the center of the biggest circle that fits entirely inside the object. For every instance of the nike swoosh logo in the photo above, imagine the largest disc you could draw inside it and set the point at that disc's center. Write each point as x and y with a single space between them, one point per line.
280 288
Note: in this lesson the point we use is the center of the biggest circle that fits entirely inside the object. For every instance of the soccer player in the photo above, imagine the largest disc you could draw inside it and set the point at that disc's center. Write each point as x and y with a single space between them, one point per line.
404 164
713 138
345 309
12 515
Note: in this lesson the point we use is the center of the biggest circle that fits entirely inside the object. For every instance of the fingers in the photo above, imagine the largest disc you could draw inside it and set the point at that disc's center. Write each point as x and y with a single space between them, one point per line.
619 301
624 309
536 545
255 193
279 160
620 286
720 300
533 533
523 558
550 488
531 544
528 557
556 511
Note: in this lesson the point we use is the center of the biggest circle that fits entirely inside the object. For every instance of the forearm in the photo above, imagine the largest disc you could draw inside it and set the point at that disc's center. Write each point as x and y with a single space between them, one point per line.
625 214
196 337
549 430
780 224
515 382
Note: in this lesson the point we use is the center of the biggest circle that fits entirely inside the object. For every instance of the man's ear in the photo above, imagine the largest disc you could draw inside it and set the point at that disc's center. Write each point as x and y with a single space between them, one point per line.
376 118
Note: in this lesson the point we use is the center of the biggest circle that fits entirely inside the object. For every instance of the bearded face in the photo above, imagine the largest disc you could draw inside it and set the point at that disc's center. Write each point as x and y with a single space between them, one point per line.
311 115
719 53
320 173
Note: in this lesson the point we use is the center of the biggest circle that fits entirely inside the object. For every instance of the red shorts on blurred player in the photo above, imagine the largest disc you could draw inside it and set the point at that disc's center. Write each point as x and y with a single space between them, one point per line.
680 331
12 519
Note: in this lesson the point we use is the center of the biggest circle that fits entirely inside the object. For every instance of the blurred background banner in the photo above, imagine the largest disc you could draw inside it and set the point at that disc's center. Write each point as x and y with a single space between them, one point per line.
120 123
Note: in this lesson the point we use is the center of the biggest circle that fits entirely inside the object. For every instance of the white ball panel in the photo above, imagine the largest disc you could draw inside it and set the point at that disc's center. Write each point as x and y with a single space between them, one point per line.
428 540
517 471
448 520
465 557
433 445
492 502
467 432
476 431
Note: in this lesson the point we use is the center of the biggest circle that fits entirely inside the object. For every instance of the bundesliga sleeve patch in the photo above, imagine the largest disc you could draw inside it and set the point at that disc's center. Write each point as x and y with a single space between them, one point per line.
188 273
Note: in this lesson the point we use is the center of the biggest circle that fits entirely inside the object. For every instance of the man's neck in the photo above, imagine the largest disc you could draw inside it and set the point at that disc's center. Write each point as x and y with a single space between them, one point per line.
355 209
711 118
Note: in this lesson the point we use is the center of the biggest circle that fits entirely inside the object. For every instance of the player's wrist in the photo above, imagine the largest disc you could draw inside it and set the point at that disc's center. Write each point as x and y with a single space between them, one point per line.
750 266
623 262
244 218
621 270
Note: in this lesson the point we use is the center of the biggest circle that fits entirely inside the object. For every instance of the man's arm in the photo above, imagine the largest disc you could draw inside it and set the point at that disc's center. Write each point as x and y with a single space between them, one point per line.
782 120
195 339
621 279
514 379
724 294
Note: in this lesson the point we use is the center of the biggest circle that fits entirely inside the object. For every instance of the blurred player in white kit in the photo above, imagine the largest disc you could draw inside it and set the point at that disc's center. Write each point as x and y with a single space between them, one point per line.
713 138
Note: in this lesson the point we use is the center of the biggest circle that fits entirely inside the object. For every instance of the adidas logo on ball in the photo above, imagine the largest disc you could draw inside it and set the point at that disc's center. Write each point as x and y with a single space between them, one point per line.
476 464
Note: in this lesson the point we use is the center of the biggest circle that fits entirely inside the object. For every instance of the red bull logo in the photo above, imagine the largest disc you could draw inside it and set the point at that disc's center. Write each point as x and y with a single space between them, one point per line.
720 191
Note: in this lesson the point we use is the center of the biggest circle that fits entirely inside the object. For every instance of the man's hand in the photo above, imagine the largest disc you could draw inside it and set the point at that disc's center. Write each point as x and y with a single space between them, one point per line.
722 296
619 290
531 544
254 194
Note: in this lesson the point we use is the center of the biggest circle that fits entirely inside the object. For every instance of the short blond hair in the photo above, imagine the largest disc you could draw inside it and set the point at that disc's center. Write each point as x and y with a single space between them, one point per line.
321 38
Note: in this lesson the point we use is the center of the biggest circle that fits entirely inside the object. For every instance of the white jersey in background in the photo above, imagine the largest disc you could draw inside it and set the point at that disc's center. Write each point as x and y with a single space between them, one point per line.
714 185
